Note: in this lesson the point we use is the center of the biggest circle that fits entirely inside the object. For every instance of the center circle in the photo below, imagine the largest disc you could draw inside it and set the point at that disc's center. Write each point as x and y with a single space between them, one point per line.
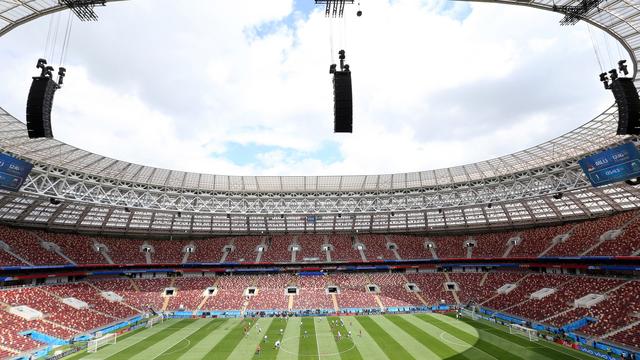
296 353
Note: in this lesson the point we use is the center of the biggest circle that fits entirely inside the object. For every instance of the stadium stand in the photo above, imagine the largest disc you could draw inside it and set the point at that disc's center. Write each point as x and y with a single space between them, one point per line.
586 234
13 325
411 247
624 245
167 251
312 293
618 310
79 248
392 290
574 288
42 300
536 241
27 245
376 247
4 353
208 250
88 294
311 247
230 293
277 249
189 292
493 244
245 249
628 337
450 246
7 259
124 251
470 289
432 288
269 299
353 293
521 293
10 332
343 248
147 293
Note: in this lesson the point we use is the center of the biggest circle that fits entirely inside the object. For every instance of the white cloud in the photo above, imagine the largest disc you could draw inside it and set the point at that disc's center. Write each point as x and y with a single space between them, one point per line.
169 84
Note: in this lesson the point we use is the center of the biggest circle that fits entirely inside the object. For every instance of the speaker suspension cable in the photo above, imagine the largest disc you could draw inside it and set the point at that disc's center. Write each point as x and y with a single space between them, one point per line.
331 42
55 36
595 47
605 38
67 38
46 44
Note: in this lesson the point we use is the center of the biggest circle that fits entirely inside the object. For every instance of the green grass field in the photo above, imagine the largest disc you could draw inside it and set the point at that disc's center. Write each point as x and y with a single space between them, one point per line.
402 337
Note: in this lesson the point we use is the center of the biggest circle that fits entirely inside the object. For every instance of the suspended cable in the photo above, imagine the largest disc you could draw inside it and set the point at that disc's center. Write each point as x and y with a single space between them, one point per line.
67 37
344 32
595 47
331 41
606 44
46 44
55 36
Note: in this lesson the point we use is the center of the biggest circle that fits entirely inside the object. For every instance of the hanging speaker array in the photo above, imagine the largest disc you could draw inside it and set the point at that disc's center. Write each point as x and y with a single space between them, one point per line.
342 96
627 99
40 101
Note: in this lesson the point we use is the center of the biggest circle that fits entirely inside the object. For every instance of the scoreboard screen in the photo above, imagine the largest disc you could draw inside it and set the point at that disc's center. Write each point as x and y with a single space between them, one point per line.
612 165
13 172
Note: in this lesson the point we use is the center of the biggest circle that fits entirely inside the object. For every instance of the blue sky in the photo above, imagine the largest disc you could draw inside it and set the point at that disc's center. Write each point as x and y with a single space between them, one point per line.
242 87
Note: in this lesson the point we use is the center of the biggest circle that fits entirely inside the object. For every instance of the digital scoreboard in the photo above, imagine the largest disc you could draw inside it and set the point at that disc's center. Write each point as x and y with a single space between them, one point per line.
13 172
613 165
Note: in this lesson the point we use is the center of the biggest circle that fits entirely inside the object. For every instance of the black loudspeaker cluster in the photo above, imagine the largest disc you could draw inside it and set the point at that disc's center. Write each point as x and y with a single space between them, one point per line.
40 101
626 95
628 102
342 102
342 97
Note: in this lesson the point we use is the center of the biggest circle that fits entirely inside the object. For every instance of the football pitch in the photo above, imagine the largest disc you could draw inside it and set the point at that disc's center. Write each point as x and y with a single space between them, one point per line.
384 337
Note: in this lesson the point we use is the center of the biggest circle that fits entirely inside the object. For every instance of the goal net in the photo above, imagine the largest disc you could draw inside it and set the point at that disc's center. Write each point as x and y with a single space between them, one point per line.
95 344
471 314
524 331
154 320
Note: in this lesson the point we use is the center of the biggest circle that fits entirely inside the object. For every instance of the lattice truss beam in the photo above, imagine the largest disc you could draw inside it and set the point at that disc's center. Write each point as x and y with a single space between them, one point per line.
56 182
39 211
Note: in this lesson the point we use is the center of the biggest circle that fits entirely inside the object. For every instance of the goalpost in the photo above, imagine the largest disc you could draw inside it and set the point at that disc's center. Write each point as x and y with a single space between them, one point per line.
524 331
469 313
154 320
95 344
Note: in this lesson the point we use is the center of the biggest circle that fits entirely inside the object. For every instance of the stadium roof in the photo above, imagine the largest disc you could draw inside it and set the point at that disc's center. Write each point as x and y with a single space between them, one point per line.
518 183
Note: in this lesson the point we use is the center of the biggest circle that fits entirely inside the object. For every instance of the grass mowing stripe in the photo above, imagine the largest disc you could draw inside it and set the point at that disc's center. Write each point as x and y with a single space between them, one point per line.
150 341
545 350
225 347
120 338
390 347
291 341
308 348
178 337
347 348
430 342
178 349
273 333
485 346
